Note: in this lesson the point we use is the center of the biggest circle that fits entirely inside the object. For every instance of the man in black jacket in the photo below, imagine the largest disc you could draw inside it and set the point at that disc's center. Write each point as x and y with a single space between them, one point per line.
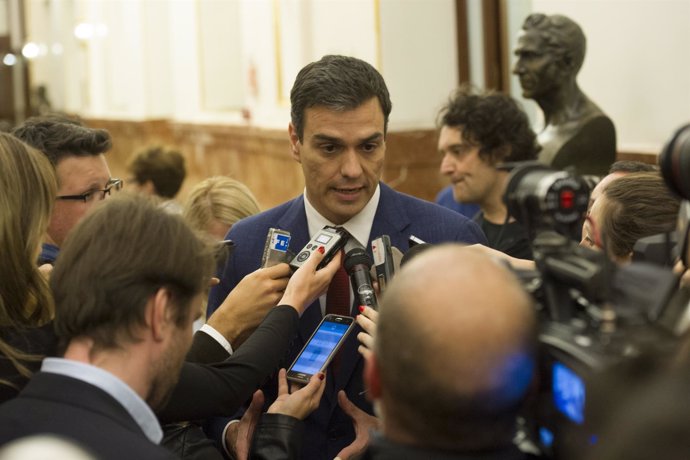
125 304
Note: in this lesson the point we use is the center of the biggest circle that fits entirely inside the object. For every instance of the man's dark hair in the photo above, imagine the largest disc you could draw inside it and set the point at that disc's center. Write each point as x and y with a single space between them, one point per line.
59 136
115 259
164 167
339 83
563 37
629 166
493 121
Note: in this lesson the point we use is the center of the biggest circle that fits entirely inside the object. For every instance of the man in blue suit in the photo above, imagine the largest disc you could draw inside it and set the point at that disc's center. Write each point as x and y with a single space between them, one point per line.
340 109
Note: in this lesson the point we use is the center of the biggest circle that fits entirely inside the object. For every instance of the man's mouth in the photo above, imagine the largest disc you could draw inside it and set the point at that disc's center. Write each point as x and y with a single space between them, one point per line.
348 190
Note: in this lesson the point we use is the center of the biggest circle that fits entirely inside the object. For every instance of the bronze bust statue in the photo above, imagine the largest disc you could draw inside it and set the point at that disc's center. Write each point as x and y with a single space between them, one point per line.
550 51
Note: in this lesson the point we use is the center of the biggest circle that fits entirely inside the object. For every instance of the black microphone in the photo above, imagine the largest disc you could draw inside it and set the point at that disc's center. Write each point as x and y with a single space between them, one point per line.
357 264
414 251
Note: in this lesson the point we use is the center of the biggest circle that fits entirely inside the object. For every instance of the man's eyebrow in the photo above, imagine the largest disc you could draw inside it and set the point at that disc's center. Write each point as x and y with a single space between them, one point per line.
325 138
335 140
372 138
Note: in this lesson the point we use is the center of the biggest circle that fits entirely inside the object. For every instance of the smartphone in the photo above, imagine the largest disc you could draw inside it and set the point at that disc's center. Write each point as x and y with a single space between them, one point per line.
320 348
276 247
333 239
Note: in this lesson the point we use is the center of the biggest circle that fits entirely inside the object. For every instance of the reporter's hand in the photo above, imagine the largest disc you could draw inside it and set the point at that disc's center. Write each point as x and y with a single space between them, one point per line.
248 304
367 320
363 423
301 402
307 283
238 436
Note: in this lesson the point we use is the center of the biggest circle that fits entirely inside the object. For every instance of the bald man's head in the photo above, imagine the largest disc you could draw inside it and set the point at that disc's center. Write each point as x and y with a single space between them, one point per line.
454 350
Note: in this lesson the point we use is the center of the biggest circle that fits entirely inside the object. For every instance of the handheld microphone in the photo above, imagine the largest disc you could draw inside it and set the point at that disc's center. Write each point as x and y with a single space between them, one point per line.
357 264
414 251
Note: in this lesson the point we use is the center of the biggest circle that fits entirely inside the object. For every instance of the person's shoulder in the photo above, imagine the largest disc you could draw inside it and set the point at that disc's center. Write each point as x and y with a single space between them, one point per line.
417 206
446 224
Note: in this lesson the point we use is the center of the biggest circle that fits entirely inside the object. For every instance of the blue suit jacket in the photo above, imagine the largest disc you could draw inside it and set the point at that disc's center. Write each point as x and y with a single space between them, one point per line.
328 429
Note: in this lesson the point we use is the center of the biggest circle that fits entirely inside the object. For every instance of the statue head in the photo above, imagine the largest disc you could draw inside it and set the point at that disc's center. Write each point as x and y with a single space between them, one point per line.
550 51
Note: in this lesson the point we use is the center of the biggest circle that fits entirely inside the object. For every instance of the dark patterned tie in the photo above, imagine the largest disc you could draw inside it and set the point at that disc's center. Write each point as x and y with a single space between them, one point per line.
338 294
338 303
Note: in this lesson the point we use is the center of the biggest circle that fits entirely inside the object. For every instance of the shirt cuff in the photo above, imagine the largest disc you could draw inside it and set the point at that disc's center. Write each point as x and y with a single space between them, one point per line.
225 431
217 336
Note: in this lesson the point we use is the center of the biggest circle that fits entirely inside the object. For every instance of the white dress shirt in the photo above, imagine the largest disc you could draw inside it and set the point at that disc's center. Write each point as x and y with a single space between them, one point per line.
359 226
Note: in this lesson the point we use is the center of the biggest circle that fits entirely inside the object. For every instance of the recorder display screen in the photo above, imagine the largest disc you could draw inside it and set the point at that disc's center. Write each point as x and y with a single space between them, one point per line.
568 393
323 238
320 347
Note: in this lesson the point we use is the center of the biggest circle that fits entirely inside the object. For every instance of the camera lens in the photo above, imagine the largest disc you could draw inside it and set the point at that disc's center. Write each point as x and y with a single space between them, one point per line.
675 162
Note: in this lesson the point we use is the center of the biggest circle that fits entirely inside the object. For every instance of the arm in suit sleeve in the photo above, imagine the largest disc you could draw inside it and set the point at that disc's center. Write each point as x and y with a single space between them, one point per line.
220 389
205 349
471 233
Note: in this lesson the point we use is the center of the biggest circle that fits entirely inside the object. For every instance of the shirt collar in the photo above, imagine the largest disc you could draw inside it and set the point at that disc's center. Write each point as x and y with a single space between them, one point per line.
119 390
359 225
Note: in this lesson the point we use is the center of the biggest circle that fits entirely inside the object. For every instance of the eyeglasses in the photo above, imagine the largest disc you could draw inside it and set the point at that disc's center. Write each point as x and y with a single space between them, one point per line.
113 184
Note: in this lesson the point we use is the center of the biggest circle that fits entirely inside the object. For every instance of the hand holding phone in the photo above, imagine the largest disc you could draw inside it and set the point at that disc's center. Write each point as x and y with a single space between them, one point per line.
298 403
320 348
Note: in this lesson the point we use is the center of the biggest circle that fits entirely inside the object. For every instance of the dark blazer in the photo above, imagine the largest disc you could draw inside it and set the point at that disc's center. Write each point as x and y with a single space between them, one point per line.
203 390
219 389
78 411
328 429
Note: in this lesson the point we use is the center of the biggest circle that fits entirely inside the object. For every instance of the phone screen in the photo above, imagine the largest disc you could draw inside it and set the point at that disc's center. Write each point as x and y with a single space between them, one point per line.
321 346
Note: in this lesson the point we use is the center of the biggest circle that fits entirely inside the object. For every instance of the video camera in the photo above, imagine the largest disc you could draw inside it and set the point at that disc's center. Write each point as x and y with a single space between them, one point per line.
593 313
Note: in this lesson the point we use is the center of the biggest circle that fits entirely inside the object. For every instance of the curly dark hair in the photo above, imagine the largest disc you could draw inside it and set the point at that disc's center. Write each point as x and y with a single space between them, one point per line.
58 136
494 121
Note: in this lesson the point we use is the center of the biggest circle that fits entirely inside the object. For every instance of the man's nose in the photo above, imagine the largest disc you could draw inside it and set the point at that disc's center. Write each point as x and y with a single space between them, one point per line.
518 68
447 165
351 165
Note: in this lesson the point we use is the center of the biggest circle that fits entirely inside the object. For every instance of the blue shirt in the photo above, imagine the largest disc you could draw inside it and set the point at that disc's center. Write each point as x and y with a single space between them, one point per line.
445 199
49 253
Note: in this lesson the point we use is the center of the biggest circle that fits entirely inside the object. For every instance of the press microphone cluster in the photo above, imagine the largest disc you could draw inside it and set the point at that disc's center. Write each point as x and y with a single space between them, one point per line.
357 264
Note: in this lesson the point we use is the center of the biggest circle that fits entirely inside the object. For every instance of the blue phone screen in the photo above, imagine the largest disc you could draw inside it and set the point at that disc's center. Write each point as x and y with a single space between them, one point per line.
320 347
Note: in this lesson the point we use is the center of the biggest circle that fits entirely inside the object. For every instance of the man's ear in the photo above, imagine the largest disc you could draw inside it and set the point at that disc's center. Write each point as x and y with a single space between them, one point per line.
295 143
372 377
158 314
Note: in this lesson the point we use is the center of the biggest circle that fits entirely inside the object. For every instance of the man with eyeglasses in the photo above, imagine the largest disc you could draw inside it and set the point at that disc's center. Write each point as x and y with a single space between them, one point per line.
78 155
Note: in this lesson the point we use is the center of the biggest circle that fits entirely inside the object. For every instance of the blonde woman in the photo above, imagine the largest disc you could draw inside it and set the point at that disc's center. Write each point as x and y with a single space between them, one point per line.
216 203
27 192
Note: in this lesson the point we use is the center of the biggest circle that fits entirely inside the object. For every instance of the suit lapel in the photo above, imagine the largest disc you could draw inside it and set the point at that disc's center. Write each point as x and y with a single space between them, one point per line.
390 219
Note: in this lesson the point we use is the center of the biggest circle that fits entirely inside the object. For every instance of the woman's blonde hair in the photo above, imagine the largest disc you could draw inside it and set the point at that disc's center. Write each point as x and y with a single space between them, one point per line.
219 198
28 187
